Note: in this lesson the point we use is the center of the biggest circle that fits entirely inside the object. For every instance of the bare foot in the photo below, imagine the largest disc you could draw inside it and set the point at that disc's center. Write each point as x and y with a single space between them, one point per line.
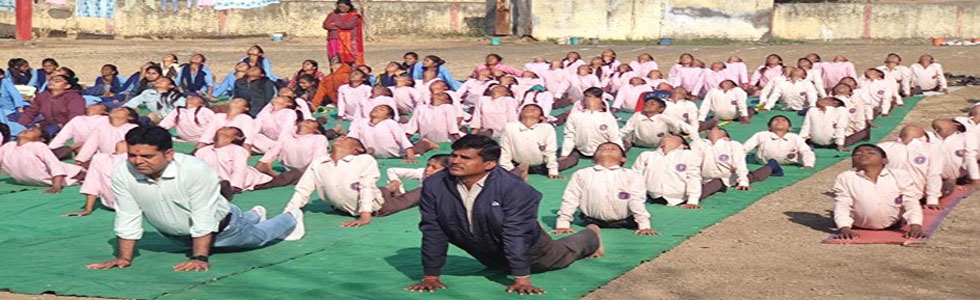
340 129
430 144
524 169
598 232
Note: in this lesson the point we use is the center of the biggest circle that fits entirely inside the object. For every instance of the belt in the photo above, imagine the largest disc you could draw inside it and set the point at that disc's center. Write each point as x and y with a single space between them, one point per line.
224 223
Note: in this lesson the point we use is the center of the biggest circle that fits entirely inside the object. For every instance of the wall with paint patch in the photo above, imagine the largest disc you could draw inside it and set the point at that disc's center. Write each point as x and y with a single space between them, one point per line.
295 18
652 19
918 20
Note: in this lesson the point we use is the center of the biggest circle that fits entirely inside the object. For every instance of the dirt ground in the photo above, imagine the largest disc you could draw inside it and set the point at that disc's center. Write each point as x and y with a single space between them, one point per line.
770 250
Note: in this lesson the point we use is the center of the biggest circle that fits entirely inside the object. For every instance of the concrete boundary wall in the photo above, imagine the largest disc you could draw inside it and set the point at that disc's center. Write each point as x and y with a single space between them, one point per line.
914 20
296 18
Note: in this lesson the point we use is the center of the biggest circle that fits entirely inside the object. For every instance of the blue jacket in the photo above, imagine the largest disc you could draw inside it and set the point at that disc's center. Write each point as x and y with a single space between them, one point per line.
443 74
505 222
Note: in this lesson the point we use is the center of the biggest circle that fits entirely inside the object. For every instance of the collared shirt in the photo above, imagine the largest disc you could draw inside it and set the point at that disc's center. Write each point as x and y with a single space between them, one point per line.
586 130
190 122
880 93
629 95
297 151
98 177
529 146
103 140
349 184
647 131
901 75
386 137
493 113
348 98
608 194
815 76
244 122
861 202
789 149
674 176
795 95
929 77
723 159
78 130
858 114
33 163
683 110
469 195
436 123
764 74
960 155
185 200
726 105
922 161
231 162
825 126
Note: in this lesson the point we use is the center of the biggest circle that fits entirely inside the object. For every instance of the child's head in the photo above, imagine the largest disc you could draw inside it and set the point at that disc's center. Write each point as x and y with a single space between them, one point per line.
508 80
636 81
310 66
109 70
947 127
717 133
169 59
608 55
680 93
538 60
241 67
804 63
664 86
255 51
435 164
686 59
130 115
164 84
304 127
573 56
357 76
727 85
555 65
926 60
198 59
346 144
842 89
645 57
194 102
623 68
797 73
238 105
655 74
365 68
379 91
718 66
255 72
528 75
780 123
152 72
850 81
500 90
49 65
19 64
393 67
493 59
440 98
227 136
653 106
592 99
307 81
382 111
432 61
438 86
813 57
774 60
33 134
404 80
497 73
670 142
609 154
532 112
596 62
583 70
840 58
788 71
734 59
410 58
874 74
96 110
283 102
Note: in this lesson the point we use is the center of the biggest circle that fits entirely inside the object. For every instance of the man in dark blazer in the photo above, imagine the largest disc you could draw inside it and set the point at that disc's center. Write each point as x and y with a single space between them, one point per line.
492 215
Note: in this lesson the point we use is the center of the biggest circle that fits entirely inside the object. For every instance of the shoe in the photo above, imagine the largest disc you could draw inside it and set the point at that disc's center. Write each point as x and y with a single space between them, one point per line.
777 171
300 230
259 210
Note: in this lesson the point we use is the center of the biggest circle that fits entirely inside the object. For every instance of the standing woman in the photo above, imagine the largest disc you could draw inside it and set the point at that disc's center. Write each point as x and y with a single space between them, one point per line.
345 37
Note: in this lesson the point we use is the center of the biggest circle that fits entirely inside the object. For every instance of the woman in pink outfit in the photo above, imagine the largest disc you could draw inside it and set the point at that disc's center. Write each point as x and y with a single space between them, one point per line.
271 124
436 122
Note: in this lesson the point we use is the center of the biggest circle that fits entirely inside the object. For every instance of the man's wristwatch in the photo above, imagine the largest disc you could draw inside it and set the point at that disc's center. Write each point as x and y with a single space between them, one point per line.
202 258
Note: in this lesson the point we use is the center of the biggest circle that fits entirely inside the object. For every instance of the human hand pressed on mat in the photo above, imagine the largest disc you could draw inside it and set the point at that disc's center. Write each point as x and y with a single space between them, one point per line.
428 284
523 286
364 220
743 188
563 231
78 214
915 232
192 265
847 234
555 176
109 264
646 232
933 207
691 206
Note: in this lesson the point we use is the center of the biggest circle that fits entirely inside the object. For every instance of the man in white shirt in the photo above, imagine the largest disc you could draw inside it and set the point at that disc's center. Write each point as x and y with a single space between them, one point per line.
871 196
608 195
960 155
179 195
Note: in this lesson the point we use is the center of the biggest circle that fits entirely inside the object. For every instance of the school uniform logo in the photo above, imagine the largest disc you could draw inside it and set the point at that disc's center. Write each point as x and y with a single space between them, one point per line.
853 110
680 167
898 200
802 94
723 158
541 147
734 102
660 135
920 160
603 127
791 156
355 186
961 152
686 116
881 92
623 196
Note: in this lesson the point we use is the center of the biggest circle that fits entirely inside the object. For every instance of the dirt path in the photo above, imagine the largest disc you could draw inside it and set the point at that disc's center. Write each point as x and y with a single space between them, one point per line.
770 250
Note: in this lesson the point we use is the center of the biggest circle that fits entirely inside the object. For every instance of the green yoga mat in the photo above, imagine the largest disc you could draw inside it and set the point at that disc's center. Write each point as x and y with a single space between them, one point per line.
43 251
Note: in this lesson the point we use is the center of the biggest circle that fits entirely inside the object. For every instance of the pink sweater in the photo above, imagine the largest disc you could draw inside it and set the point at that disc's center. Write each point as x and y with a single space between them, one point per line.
33 163
296 151
231 162
387 137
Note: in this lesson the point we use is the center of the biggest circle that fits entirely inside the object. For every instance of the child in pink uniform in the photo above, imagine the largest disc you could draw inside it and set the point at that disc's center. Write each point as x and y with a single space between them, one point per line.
493 112
609 63
230 159
385 136
440 86
237 116
473 88
301 105
380 95
629 95
656 78
78 129
686 74
98 180
644 64
579 82
436 122
107 134
834 71
556 79
296 149
714 76
30 162
350 95
737 71
624 73
280 119
765 73
407 98
190 120
927 75
571 62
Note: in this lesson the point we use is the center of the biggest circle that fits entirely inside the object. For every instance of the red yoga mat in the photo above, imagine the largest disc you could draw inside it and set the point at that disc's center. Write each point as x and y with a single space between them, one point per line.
930 221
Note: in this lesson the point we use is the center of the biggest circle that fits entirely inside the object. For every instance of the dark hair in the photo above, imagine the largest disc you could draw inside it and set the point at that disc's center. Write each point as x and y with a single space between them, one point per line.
369 69
315 83
345 2
435 59
896 55
72 82
594 92
174 56
155 66
238 131
654 100
45 136
772 55
779 117
196 110
412 54
873 147
150 135
134 115
489 149
256 46
49 60
316 68
5 131
115 70
16 63
441 159
621 150
497 56
69 72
